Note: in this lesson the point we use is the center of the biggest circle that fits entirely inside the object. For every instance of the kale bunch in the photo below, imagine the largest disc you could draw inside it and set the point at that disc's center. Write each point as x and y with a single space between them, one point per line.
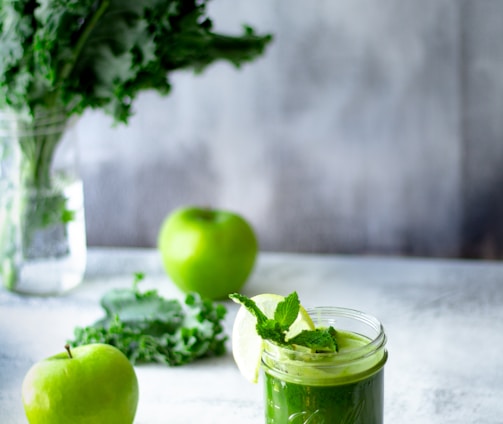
149 328
99 54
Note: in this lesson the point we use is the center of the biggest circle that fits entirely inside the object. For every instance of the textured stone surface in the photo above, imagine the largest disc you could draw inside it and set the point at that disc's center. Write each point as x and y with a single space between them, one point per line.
442 318
362 129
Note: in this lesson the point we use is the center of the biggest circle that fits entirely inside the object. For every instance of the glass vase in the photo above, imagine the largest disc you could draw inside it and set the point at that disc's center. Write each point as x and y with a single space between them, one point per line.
42 224
343 387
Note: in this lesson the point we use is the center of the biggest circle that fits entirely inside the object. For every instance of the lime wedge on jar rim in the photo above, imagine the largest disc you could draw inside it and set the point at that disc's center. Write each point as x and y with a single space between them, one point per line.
247 345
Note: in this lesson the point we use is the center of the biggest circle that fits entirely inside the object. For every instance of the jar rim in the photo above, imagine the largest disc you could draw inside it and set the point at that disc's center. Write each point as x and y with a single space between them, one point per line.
50 121
368 349
320 368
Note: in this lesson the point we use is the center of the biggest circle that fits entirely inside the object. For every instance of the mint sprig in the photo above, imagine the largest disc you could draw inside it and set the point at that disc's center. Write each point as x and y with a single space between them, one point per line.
286 312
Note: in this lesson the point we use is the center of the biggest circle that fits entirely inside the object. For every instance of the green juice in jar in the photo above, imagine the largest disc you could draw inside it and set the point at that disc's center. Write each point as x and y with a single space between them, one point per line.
345 387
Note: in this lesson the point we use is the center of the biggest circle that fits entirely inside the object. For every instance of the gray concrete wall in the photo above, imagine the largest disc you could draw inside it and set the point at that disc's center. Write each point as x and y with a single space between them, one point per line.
368 127
482 94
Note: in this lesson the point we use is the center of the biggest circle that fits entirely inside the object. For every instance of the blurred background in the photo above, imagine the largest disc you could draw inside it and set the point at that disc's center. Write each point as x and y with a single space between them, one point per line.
367 127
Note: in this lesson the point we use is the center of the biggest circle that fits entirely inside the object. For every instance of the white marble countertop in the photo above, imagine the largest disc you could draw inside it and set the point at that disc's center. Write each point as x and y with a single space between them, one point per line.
443 318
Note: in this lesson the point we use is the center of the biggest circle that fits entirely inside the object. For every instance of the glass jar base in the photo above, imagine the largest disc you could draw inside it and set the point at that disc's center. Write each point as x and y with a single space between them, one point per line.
44 255
49 277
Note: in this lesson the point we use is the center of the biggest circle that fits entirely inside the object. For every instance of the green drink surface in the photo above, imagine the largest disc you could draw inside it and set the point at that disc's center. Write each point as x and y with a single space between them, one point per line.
338 389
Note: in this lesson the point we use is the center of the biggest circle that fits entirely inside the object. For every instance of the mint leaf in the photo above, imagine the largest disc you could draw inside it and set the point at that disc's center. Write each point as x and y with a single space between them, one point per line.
251 306
267 328
271 330
287 311
318 340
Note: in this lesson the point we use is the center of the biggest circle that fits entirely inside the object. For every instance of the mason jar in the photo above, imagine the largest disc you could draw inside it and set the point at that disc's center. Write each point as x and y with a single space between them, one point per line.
42 223
343 387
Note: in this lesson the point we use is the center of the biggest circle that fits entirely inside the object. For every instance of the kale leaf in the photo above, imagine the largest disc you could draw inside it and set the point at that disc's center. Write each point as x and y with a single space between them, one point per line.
79 54
149 328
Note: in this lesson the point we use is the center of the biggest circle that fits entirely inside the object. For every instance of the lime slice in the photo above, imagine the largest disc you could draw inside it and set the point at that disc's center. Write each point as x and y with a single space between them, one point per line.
247 345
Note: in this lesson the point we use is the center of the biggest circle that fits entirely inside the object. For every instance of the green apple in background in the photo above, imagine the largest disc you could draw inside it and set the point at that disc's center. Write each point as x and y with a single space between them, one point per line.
92 383
209 251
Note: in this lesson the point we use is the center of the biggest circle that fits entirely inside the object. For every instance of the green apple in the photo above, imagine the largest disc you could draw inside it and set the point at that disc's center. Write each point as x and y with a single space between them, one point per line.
208 251
92 383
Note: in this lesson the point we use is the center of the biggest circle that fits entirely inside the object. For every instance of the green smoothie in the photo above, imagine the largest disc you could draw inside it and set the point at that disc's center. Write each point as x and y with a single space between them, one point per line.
345 387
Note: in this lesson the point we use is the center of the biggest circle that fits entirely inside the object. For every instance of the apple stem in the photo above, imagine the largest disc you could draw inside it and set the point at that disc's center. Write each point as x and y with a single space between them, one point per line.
67 347
207 213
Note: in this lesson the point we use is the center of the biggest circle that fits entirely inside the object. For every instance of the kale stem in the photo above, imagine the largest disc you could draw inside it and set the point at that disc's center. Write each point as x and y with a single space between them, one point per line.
39 145
42 165
69 66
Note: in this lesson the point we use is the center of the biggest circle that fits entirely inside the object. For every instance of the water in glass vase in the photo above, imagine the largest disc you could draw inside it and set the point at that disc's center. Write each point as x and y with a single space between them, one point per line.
46 258
55 257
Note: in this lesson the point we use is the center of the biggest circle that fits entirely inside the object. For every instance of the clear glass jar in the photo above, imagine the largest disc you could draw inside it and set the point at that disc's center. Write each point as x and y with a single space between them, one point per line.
344 387
42 223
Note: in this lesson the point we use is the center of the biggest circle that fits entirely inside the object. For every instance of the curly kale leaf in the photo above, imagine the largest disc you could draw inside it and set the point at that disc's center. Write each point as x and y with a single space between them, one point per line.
148 328
81 54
